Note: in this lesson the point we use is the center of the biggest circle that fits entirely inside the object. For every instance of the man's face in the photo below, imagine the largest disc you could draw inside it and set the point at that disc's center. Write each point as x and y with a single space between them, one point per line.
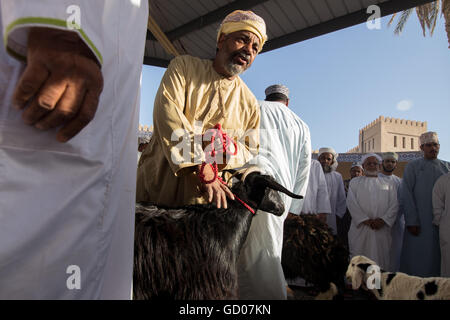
371 166
236 52
356 172
389 165
326 160
430 150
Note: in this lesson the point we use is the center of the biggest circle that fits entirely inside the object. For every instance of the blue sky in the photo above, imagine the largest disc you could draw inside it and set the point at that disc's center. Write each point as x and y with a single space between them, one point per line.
344 80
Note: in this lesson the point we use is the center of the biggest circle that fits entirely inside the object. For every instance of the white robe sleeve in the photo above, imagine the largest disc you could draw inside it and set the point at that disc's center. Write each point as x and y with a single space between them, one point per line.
357 213
81 16
390 214
302 177
438 200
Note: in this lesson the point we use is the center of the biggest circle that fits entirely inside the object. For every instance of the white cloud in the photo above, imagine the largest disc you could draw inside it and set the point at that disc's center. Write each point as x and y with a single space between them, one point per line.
404 105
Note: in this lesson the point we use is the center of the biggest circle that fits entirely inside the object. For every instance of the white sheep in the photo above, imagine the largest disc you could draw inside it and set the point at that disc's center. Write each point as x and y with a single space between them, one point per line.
365 273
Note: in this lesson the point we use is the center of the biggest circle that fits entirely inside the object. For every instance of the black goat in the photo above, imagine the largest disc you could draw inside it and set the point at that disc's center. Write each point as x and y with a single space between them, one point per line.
312 252
191 253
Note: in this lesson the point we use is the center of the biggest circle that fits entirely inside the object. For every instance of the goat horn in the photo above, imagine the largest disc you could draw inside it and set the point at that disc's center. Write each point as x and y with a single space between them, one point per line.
270 183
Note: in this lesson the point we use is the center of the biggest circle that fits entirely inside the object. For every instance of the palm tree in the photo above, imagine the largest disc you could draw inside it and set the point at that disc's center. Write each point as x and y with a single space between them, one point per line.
427 14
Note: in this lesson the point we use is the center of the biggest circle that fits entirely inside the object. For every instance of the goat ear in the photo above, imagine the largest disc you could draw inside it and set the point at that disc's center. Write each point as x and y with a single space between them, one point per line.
272 202
357 278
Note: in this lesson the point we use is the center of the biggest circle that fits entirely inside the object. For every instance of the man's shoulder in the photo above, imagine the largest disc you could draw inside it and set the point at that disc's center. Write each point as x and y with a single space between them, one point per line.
279 110
445 163
336 174
445 178
188 60
414 164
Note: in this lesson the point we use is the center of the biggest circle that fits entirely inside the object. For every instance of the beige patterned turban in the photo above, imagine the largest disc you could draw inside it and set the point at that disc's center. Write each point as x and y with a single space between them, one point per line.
428 137
240 20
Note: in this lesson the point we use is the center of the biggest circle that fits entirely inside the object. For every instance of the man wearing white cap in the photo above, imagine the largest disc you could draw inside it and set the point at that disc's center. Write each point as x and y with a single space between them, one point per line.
316 200
420 253
335 185
198 98
441 218
390 160
343 224
284 153
372 202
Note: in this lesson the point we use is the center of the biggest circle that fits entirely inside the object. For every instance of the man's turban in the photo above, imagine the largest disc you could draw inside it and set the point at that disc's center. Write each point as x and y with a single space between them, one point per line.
368 155
277 88
390 156
244 21
428 137
356 164
328 150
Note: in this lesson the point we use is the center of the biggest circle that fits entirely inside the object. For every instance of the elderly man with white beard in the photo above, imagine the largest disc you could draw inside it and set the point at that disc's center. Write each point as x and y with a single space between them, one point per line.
335 185
372 202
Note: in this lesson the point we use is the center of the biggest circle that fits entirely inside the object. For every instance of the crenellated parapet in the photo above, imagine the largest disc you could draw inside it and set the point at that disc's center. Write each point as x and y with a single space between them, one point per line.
396 121
409 123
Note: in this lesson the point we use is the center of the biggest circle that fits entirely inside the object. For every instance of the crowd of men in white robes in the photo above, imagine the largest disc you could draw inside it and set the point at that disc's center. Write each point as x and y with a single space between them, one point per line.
402 224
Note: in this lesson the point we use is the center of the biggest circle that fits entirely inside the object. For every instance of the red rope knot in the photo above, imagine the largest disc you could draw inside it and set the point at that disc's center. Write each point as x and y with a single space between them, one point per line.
225 141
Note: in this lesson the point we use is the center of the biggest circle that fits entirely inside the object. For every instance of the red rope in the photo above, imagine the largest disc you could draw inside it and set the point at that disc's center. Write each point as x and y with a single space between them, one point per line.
225 141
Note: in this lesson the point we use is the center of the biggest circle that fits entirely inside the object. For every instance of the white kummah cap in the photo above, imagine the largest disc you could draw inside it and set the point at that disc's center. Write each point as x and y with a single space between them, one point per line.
277 88
356 164
240 20
390 156
329 150
428 137
368 155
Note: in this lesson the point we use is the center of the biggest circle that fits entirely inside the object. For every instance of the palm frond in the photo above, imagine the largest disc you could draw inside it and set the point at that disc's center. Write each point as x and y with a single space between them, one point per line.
392 19
402 21
428 14
446 13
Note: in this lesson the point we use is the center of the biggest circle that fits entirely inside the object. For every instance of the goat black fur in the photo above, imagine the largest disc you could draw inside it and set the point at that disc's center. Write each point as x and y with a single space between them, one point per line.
312 252
191 253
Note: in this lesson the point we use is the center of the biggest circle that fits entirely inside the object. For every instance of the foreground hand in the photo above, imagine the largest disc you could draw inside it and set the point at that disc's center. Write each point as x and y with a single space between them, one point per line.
414 230
61 84
377 223
217 191
367 222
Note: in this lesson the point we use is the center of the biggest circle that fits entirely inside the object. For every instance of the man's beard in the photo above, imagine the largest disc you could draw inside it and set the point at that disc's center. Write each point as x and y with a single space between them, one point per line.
387 170
234 68
326 168
373 173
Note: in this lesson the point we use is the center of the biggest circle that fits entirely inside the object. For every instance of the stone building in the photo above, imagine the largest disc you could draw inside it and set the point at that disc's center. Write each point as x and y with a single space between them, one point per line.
390 134
384 135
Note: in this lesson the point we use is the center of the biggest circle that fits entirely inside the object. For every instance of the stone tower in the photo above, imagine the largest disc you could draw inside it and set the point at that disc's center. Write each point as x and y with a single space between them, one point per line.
390 134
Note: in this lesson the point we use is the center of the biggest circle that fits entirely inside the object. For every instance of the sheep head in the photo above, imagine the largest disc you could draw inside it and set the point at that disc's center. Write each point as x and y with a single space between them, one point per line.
261 192
357 271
